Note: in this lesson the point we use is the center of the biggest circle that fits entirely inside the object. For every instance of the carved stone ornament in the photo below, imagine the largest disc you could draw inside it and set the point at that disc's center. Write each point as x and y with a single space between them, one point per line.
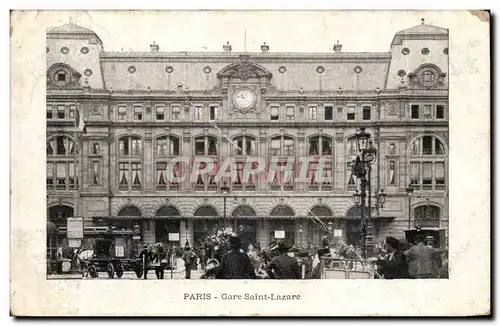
391 109
244 70
63 76
95 109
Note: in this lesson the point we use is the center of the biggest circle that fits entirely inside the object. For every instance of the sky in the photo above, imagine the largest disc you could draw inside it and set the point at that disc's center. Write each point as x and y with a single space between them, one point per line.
283 31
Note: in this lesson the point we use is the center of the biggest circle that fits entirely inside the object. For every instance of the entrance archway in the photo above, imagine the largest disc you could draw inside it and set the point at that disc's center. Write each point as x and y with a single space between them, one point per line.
246 227
283 222
205 224
59 213
167 222
315 230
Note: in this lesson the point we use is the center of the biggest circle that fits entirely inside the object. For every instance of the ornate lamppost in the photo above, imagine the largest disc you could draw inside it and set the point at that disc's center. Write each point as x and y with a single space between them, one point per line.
225 191
409 192
362 170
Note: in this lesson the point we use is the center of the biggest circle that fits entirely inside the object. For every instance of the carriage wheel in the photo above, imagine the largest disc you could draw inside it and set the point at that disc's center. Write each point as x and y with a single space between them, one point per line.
93 272
111 270
119 270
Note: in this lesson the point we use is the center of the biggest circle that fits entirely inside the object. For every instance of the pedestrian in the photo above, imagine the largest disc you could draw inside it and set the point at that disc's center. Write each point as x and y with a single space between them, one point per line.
443 271
189 258
145 257
235 264
396 264
422 260
284 266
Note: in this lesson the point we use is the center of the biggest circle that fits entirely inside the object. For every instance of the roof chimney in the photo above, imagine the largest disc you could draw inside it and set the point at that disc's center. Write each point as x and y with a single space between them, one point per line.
337 47
154 47
264 47
227 47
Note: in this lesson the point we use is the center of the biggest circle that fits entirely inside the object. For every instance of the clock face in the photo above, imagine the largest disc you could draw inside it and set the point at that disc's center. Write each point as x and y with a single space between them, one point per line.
244 98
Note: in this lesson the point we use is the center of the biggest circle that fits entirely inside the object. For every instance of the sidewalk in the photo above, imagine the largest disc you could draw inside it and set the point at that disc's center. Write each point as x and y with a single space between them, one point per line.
126 276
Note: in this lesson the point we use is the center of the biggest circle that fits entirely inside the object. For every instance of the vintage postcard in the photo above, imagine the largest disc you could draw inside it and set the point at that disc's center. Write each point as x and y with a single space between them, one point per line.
250 163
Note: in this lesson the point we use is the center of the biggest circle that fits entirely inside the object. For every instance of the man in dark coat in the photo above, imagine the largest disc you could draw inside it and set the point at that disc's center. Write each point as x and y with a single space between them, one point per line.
422 260
284 266
396 264
189 258
235 264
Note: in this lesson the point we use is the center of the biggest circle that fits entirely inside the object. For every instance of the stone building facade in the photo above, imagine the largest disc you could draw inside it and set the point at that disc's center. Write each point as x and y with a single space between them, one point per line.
143 109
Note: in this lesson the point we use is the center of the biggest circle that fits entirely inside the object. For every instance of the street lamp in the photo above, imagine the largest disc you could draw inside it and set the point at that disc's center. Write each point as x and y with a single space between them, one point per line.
362 169
300 229
409 192
225 191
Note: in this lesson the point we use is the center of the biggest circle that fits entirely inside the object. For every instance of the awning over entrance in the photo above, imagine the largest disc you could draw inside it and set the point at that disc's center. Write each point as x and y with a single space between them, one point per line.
250 217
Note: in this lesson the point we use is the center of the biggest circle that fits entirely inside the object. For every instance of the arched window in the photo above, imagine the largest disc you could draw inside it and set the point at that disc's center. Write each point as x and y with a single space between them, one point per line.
320 147
130 217
244 145
427 216
427 77
206 145
130 211
427 163
167 147
62 172
59 213
130 163
282 146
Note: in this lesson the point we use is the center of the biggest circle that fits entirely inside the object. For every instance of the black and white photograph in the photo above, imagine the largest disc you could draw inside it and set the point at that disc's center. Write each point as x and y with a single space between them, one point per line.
258 154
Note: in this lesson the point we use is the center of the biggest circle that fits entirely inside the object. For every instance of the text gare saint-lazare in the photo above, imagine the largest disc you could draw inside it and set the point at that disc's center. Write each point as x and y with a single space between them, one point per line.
246 296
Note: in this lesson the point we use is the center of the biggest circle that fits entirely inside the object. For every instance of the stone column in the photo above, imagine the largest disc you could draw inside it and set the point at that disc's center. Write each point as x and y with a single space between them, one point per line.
186 151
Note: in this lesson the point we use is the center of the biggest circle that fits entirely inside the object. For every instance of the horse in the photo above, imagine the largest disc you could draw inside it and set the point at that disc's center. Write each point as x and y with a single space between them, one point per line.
83 257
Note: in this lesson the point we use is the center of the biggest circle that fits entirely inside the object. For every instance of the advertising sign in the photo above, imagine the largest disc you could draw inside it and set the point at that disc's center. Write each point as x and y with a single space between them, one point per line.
279 234
337 233
120 251
74 243
75 227
173 237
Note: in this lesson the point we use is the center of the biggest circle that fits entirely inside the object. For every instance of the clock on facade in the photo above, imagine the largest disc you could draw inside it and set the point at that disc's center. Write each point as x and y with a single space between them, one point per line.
244 98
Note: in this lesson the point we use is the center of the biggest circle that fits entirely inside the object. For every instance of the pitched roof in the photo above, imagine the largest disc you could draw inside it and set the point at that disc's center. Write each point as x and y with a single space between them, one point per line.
424 29
70 29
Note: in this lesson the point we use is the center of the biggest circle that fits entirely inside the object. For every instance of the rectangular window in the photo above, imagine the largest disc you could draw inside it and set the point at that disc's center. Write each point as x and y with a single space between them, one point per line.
427 111
61 114
50 175
288 147
72 111
49 112
439 111
326 146
95 148
415 111
392 172
213 112
439 174
367 113
160 113
327 175
313 112
72 176
290 113
328 112
239 146
136 147
351 115
176 112
427 145
392 148
198 113
427 174
95 172
212 146
275 112
161 174
314 146
275 147
124 176
138 112
61 175
199 146
124 147
136 175
250 147
415 173
122 112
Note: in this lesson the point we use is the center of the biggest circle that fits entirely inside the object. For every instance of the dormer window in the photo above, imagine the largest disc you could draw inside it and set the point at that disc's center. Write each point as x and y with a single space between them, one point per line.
427 77
61 76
